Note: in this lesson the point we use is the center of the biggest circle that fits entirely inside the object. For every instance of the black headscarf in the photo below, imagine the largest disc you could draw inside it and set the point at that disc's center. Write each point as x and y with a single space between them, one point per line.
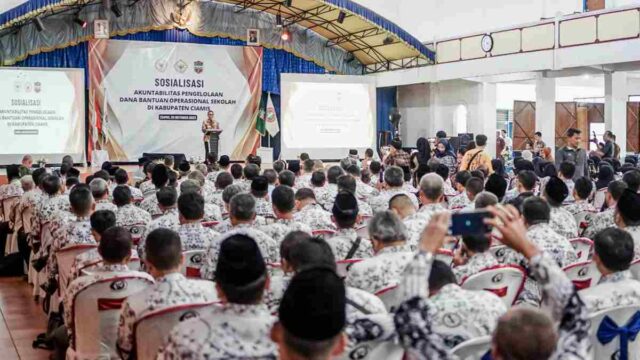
605 176
424 150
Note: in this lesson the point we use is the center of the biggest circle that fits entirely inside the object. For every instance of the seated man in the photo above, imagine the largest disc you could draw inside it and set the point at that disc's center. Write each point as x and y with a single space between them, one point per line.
605 219
100 191
211 211
460 180
526 183
346 244
242 215
473 187
348 183
363 191
544 338
565 173
287 177
249 172
460 315
393 184
330 190
168 203
228 193
223 180
613 254
260 192
627 217
309 212
562 221
121 178
581 192
100 220
283 200
402 206
159 178
193 236
163 259
431 198
388 238
53 201
375 168
127 213
472 257
239 326
114 249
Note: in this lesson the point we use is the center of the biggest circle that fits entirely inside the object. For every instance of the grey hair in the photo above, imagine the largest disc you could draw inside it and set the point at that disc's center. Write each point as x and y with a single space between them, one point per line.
433 162
387 227
230 191
98 187
432 186
485 199
190 186
27 182
197 176
394 176
242 206
202 168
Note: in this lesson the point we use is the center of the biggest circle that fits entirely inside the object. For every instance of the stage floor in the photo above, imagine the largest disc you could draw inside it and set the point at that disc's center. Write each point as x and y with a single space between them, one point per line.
84 172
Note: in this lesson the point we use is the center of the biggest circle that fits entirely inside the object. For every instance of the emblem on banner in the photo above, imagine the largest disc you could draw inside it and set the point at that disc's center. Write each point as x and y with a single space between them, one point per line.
198 67
37 86
161 65
181 66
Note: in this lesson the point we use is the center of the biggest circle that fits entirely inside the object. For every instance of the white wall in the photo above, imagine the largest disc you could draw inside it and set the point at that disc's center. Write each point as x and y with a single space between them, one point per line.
430 20
507 93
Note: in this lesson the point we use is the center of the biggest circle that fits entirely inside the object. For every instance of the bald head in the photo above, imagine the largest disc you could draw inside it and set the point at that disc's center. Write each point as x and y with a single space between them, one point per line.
524 333
432 187
402 205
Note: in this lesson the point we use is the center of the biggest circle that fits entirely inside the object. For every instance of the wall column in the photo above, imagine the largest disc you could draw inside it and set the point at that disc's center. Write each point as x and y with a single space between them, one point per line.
546 110
487 116
615 107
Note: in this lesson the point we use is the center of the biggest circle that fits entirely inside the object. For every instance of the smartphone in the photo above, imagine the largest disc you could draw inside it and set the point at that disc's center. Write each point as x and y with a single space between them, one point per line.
469 223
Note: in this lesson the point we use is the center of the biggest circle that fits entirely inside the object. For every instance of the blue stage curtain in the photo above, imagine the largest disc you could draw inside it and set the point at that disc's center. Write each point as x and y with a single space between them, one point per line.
386 99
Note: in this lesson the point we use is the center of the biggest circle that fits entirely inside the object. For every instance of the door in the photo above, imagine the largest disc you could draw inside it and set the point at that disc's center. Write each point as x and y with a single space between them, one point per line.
524 123
633 127
566 117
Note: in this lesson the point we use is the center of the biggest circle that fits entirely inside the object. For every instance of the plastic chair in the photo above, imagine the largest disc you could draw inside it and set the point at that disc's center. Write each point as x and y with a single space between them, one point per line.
445 256
343 266
193 261
635 269
599 198
389 297
96 312
499 252
363 231
614 318
275 269
583 274
209 224
65 257
583 248
505 281
473 349
136 231
324 233
152 329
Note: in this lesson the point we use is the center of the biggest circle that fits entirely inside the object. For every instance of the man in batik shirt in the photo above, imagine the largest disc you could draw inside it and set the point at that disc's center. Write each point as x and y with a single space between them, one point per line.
121 178
605 219
283 200
211 212
581 207
223 180
363 191
309 212
393 184
562 221
473 187
260 191
193 235
159 178
473 256
100 191
348 183
612 255
460 200
627 217
388 238
346 244
431 197
163 259
53 201
168 203
115 249
414 319
327 195
238 327
127 213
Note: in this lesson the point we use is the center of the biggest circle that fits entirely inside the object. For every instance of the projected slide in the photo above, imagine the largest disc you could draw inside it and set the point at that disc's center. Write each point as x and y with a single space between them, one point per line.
326 115
41 113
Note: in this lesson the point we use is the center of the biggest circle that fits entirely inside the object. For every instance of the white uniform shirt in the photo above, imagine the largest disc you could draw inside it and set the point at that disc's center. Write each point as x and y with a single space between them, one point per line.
380 271
613 290
344 240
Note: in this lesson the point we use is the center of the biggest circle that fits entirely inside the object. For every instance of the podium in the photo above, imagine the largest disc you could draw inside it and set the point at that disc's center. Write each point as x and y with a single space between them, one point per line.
214 140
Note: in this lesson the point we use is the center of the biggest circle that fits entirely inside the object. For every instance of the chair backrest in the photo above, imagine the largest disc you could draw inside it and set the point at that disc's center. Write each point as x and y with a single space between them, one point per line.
46 236
134 264
96 312
193 261
363 231
599 198
27 219
343 266
136 231
387 350
275 269
324 233
635 269
210 224
506 281
583 274
7 207
473 349
152 329
583 248
581 219
499 252
390 297
445 256
620 316
65 257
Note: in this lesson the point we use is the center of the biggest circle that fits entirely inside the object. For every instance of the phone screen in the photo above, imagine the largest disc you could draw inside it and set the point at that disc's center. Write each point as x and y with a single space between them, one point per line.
469 223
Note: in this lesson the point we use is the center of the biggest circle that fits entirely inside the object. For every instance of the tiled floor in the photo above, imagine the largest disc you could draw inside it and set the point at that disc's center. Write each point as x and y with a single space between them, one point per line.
21 320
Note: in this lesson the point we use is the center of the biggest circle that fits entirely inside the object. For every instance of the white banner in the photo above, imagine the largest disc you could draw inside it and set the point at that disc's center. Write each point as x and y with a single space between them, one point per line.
157 96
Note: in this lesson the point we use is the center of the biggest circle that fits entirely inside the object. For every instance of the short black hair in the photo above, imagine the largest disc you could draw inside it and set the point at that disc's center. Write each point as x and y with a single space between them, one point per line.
283 198
440 276
163 249
303 252
167 196
527 179
38 175
477 243
538 133
375 167
223 180
347 183
71 182
614 248
334 173
481 140
616 189
308 165
279 165
80 199
51 184
224 161
236 264
477 174
160 175
632 178
271 175
496 185
536 210
368 152
287 177
121 177
583 187
462 177
115 244
250 171
102 174
122 195
101 220
573 131
567 169
236 171
443 171
354 170
304 156
318 178
304 194
191 206
474 185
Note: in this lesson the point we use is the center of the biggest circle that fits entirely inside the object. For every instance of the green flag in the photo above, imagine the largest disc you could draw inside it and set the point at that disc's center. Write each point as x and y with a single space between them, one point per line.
261 125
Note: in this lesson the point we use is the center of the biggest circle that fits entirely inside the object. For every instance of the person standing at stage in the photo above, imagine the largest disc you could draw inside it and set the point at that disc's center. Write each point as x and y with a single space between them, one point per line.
209 124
